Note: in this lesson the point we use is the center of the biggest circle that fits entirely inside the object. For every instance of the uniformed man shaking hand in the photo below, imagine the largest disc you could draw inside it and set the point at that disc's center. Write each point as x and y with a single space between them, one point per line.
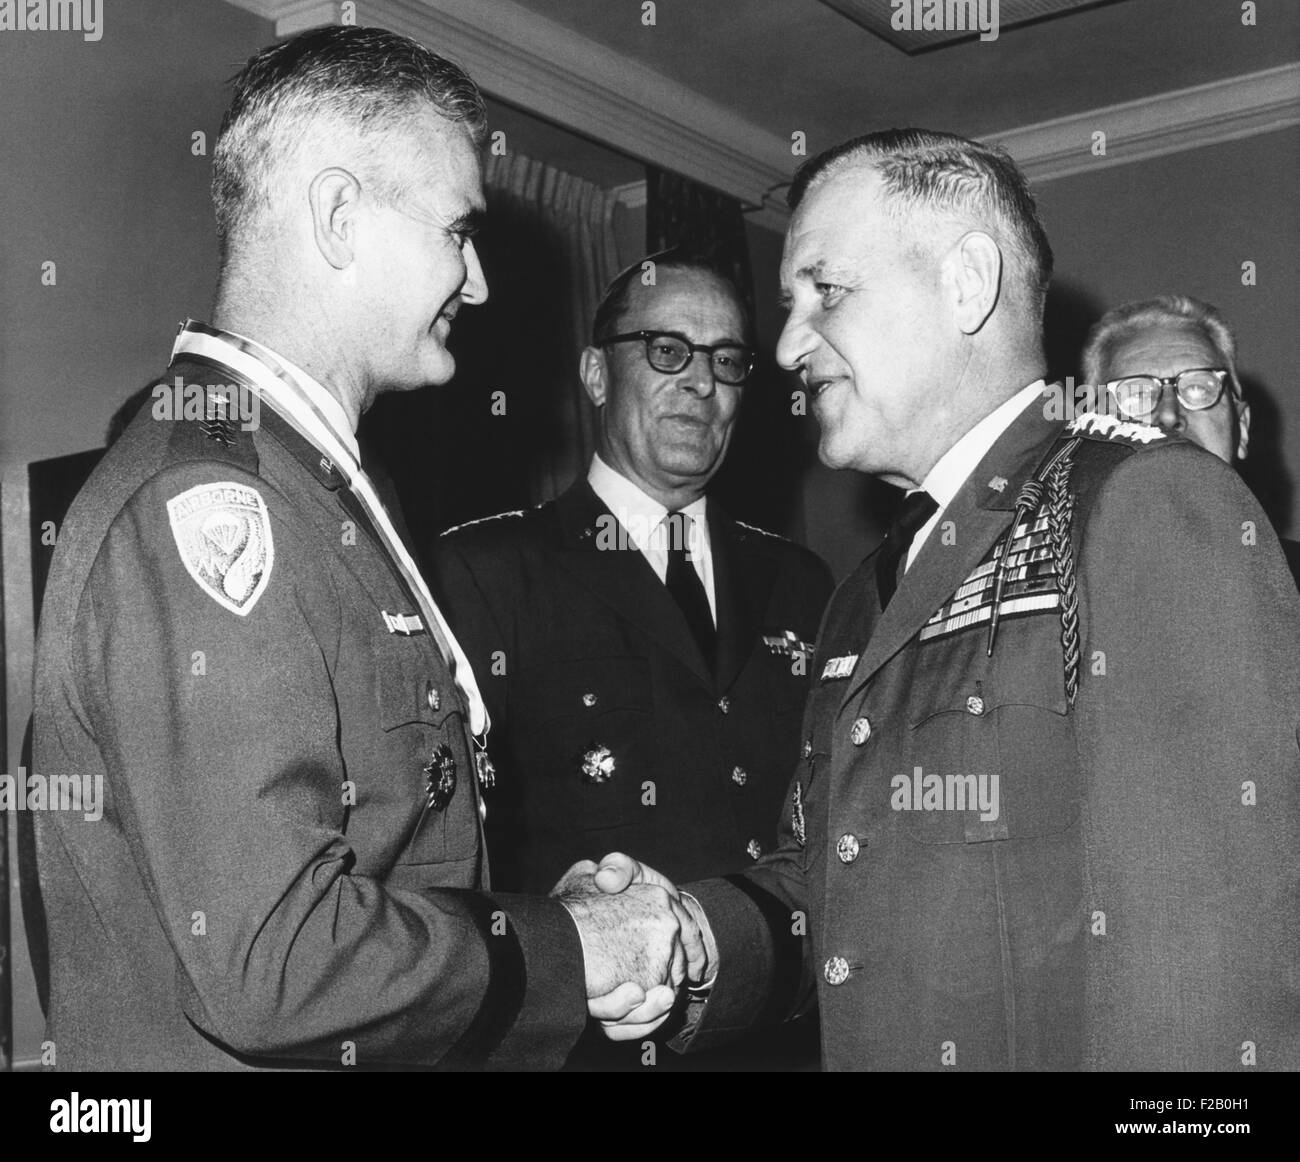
289 868
1048 811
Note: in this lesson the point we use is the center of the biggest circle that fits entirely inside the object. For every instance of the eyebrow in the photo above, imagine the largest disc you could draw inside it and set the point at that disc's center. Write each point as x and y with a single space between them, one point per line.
819 271
469 223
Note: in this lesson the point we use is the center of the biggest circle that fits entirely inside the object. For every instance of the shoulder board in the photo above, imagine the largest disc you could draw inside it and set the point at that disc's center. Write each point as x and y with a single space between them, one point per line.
763 532
1098 426
469 524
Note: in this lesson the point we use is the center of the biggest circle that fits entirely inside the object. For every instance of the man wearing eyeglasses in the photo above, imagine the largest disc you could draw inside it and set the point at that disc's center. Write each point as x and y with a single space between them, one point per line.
643 655
1171 362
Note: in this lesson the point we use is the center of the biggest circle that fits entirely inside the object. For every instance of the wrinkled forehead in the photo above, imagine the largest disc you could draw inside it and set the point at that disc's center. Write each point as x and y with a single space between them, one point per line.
840 226
1162 349
690 301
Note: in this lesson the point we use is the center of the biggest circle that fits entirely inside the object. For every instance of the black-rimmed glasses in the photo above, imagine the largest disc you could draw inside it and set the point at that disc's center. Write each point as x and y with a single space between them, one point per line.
1138 396
670 353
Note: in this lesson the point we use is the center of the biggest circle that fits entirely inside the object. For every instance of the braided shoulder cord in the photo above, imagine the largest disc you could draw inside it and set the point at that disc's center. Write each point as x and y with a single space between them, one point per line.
1060 513
1027 502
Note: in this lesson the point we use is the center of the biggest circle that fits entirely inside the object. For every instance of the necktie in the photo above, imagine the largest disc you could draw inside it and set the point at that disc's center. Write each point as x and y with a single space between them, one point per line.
918 507
684 584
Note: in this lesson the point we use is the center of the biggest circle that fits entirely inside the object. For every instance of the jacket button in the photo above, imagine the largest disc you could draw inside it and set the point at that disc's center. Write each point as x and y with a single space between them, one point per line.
847 848
836 970
431 696
860 731
589 699
724 704
753 849
739 776
807 747
975 704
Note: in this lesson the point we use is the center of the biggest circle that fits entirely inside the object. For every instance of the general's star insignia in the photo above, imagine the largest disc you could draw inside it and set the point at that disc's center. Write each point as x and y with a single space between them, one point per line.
223 532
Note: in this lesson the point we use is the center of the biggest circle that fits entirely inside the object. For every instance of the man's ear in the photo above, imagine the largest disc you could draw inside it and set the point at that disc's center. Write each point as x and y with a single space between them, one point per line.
1243 428
973 271
594 369
335 196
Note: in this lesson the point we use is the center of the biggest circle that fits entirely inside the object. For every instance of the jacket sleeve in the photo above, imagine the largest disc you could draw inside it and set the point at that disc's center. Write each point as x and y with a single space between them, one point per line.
1187 716
221 737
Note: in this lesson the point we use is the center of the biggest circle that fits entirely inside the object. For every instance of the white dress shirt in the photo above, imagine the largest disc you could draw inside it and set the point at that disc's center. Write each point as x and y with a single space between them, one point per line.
643 518
954 467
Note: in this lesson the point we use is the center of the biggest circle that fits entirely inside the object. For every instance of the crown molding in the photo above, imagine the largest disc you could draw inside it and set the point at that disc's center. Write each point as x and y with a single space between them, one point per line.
1155 126
580 84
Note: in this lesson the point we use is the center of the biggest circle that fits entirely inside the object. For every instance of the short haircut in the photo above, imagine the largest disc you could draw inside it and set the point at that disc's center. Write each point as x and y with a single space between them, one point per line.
921 169
304 91
1119 325
616 300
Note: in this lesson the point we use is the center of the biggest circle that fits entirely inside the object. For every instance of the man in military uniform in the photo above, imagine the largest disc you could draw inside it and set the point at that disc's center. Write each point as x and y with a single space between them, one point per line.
1046 815
643 655
238 649
1171 361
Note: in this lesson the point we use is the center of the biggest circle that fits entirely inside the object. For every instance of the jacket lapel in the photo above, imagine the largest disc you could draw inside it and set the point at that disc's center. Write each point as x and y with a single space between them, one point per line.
742 583
979 514
612 568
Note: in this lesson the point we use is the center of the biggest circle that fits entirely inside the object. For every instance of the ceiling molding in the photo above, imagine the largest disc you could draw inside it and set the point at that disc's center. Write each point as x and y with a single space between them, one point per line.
1155 126
558 74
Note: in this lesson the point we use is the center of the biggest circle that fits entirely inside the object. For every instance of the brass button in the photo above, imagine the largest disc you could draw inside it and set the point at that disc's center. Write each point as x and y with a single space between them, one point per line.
807 747
724 704
589 699
431 696
847 848
836 970
739 776
975 704
860 731
753 849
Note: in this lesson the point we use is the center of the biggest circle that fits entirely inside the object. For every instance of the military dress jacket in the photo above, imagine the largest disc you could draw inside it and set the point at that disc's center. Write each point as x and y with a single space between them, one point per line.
609 731
979 870
270 884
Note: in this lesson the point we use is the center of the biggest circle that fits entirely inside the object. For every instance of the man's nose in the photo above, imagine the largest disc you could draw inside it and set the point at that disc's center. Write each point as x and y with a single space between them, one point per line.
1168 416
475 290
795 343
697 375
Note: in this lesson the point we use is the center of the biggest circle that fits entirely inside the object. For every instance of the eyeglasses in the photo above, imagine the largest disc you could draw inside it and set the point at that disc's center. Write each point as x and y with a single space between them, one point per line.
1138 396
671 353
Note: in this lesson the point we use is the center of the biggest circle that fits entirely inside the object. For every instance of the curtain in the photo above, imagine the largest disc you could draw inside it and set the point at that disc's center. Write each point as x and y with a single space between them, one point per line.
681 212
573 221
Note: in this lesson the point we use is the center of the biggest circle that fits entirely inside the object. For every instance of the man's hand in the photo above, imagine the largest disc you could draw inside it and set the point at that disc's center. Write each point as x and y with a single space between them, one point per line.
617 871
640 942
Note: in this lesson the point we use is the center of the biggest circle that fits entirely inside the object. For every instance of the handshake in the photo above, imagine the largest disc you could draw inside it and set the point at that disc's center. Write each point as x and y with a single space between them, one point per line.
641 940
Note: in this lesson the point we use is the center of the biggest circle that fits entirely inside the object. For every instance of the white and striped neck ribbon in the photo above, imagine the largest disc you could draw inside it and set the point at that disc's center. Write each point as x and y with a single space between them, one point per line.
278 389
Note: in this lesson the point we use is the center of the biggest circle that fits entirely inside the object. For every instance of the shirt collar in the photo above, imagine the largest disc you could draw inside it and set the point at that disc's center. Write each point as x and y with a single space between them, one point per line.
639 513
954 467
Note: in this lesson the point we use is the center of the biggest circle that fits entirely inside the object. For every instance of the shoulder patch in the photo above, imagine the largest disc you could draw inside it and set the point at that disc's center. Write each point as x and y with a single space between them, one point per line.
1101 426
223 533
469 524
